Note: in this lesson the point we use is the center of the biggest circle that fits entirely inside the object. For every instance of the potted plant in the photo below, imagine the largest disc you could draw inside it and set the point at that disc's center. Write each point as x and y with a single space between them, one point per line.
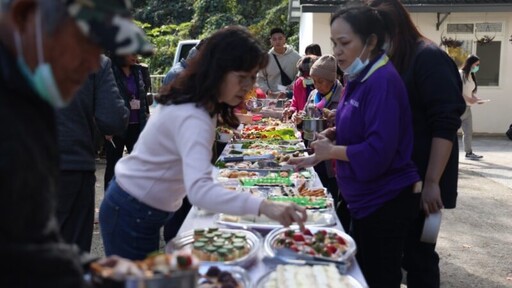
450 42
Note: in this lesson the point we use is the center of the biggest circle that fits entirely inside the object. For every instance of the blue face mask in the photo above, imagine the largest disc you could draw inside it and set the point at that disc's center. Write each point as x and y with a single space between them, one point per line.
475 69
42 80
357 66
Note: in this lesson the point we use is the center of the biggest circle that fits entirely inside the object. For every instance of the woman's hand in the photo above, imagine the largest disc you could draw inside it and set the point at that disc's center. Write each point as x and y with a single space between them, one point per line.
287 112
117 268
284 213
329 115
431 198
323 147
329 133
304 162
297 117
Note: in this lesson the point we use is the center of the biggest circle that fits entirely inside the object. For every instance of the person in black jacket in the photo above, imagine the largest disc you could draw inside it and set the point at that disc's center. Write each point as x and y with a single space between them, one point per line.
130 82
435 95
96 104
47 50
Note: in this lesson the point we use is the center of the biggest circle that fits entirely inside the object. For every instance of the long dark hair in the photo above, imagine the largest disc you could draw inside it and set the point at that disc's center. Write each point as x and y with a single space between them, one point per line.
313 49
466 69
404 36
365 21
232 48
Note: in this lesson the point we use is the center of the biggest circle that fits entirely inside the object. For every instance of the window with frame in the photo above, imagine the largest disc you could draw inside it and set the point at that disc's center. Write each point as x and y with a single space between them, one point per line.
484 39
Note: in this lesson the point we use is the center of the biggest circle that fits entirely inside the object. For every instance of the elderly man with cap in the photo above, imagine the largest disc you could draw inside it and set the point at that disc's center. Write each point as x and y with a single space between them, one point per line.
47 50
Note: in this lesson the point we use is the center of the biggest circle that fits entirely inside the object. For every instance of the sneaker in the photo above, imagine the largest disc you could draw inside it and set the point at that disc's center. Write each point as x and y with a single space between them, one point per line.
473 156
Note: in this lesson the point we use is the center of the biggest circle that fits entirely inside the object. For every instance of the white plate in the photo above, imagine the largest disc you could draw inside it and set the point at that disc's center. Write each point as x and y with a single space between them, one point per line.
353 283
315 219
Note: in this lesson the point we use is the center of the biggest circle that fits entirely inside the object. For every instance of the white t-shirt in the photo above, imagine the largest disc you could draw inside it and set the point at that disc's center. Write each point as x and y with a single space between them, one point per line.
171 160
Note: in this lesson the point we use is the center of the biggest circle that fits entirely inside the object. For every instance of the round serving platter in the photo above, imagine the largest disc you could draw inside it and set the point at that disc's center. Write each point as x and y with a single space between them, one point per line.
351 282
271 238
254 241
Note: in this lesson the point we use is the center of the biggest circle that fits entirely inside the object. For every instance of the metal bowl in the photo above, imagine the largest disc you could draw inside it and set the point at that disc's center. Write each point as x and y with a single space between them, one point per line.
314 124
187 278
240 274
254 240
346 257
254 105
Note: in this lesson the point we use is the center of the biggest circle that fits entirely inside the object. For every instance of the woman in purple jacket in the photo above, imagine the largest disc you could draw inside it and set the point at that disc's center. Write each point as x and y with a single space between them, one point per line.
372 145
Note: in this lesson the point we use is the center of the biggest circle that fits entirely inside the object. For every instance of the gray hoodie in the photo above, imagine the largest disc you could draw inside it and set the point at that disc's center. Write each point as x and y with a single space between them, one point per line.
270 77
97 104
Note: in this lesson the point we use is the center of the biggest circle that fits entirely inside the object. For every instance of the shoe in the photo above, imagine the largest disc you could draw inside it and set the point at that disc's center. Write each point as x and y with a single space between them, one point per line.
473 156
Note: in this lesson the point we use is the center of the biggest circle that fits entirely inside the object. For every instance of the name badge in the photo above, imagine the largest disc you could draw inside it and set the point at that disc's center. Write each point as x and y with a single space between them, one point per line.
135 104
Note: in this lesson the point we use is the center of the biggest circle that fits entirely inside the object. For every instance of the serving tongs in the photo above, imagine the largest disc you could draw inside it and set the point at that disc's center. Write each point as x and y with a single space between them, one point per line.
288 256
247 158
309 150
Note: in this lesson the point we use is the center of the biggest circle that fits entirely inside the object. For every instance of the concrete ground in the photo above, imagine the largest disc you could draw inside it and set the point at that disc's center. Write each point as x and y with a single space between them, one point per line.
475 242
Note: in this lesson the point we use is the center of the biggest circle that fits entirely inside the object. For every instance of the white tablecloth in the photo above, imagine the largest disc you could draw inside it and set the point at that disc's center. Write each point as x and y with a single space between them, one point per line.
199 219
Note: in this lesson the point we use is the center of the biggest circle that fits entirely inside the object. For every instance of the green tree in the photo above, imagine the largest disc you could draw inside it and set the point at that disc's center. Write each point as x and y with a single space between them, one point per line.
168 22
276 17
158 13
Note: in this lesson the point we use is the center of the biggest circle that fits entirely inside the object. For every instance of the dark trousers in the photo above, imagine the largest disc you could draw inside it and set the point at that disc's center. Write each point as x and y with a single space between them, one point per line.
420 259
380 239
114 154
173 225
75 207
332 186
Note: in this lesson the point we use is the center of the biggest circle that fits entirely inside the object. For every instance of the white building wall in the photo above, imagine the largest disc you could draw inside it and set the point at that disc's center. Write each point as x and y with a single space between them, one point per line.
317 30
493 117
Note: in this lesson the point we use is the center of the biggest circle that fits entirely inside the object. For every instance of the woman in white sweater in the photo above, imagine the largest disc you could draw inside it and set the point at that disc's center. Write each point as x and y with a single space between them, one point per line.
172 156
469 88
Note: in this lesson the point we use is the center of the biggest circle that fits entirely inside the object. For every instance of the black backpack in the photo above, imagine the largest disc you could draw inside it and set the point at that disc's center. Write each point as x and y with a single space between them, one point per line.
509 132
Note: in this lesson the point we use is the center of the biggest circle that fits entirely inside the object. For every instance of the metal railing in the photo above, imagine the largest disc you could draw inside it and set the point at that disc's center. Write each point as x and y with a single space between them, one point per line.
156 82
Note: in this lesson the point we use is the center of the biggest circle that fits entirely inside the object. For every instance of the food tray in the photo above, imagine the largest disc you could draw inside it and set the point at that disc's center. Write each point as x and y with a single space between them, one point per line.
254 240
186 278
349 281
266 181
262 223
240 274
346 257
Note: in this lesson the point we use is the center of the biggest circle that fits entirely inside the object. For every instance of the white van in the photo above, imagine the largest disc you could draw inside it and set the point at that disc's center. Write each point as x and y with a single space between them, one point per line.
182 49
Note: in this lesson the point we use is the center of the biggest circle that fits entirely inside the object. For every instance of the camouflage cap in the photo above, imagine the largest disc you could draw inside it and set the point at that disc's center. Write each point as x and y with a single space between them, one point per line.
108 23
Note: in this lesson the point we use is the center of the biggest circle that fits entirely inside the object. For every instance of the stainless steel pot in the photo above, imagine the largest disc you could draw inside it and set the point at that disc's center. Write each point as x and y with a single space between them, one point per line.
311 126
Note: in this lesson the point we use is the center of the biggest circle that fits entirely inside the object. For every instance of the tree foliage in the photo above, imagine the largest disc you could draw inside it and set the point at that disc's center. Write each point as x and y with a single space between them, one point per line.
168 22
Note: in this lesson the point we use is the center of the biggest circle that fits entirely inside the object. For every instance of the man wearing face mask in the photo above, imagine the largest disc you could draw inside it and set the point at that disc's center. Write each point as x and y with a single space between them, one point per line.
47 50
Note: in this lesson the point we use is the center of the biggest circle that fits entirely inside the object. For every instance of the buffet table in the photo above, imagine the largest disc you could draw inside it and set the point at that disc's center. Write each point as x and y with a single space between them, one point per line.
256 269
199 219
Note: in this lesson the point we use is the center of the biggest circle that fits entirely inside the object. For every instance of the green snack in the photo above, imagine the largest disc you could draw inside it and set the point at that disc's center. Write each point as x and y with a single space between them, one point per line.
302 201
209 236
199 245
210 249
226 235
240 235
218 244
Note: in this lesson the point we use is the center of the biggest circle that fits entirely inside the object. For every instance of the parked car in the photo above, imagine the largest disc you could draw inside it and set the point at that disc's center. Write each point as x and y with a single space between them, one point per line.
182 49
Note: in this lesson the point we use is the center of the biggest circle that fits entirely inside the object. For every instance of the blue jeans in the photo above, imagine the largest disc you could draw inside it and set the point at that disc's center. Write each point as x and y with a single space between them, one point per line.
129 228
